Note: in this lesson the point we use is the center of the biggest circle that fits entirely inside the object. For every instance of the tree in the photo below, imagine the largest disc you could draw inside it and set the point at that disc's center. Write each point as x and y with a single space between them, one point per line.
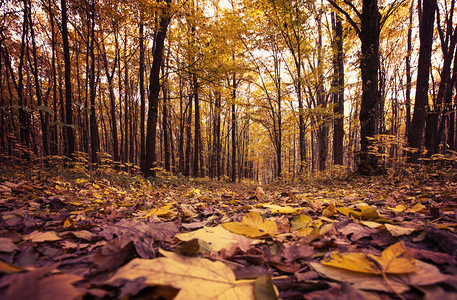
70 136
338 90
368 32
154 90
421 106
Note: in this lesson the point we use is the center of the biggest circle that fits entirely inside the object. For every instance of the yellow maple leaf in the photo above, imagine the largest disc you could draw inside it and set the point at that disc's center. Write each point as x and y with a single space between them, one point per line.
394 260
161 211
253 226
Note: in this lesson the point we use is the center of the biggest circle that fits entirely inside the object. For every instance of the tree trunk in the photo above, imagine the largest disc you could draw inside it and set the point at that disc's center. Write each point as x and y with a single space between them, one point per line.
165 127
369 66
93 125
421 106
338 92
154 89
112 97
233 175
187 159
142 95
197 139
216 155
408 71
68 101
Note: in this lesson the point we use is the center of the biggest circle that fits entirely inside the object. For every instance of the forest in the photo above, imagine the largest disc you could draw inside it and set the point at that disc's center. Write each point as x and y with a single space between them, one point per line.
228 149
232 90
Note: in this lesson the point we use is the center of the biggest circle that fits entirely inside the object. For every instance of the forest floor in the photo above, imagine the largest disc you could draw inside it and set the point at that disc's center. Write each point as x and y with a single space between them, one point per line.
72 234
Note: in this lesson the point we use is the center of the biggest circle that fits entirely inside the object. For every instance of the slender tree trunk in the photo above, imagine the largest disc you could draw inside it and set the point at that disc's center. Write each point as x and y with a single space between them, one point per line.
233 175
53 132
197 150
187 159
142 94
154 89
421 106
322 134
112 97
126 103
182 123
408 71
38 94
94 137
216 155
338 92
70 136
165 127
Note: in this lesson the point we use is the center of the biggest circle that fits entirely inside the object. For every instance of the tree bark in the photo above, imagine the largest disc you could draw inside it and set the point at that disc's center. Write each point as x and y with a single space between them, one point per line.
142 94
70 136
338 92
165 127
369 66
197 139
421 106
233 109
93 124
154 89
408 71
112 97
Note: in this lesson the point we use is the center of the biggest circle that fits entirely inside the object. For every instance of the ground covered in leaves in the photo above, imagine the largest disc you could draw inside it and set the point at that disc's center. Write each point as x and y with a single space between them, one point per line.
70 234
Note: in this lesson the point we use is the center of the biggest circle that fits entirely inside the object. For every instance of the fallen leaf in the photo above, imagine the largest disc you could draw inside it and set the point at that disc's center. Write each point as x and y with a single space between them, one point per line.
7 245
395 259
40 237
8 269
41 284
417 208
277 209
217 237
253 226
329 211
265 289
195 277
398 230
300 222
358 231
425 275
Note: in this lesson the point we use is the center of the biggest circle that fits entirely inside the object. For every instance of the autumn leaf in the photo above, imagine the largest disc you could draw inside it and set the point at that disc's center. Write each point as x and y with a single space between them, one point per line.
265 289
253 226
394 260
195 277
216 237
425 275
7 246
417 208
277 209
8 269
399 230
164 211
329 211
39 237
300 222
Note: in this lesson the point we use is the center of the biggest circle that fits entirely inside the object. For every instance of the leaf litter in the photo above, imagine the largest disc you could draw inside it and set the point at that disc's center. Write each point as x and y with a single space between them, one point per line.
76 236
